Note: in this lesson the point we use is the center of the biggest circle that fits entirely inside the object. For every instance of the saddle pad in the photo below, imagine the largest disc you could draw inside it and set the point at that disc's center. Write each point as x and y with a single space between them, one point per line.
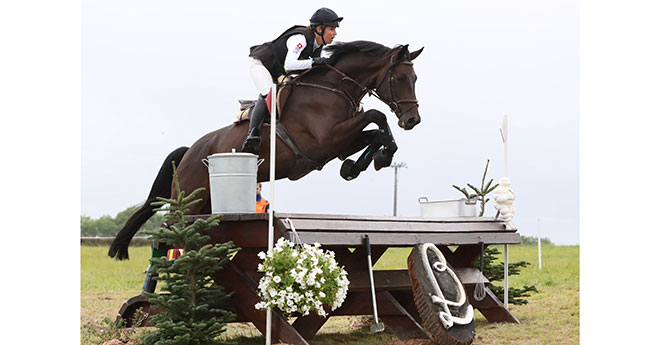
246 106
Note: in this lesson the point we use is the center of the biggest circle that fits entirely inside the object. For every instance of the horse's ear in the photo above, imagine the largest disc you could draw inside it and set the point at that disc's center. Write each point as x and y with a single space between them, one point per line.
415 54
403 53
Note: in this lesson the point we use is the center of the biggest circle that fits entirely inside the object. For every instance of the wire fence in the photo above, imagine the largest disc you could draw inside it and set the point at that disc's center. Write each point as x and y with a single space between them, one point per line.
137 241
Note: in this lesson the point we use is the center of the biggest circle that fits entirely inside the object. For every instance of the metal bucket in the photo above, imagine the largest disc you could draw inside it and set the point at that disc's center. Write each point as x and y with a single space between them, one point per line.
446 208
233 182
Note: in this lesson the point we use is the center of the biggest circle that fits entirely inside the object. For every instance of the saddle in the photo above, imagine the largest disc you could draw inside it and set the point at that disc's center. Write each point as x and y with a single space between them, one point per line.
283 92
303 163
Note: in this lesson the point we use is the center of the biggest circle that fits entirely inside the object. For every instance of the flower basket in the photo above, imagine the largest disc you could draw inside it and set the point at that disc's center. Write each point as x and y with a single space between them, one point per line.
300 279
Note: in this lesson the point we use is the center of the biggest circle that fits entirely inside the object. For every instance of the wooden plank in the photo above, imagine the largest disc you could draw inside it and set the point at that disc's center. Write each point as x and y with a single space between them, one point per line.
383 280
469 275
465 255
325 225
244 234
407 240
404 326
237 217
294 216
359 303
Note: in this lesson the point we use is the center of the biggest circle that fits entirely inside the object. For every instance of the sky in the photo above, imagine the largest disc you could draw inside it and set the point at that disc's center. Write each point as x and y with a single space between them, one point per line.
156 75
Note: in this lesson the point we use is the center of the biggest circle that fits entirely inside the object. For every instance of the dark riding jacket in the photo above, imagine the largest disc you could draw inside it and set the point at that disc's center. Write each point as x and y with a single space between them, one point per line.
272 54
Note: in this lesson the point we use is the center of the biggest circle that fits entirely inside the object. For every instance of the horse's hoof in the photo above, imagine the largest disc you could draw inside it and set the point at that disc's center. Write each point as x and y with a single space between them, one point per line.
382 160
346 170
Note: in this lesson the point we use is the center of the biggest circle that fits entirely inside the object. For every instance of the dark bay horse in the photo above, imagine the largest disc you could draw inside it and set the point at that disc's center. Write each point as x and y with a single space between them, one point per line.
323 118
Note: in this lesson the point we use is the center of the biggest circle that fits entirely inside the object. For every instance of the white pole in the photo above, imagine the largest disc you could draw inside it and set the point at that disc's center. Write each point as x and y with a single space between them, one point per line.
506 276
538 227
396 180
505 138
273 111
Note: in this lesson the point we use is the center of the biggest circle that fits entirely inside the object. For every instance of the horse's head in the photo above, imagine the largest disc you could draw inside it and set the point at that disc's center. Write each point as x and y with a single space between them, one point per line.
395 85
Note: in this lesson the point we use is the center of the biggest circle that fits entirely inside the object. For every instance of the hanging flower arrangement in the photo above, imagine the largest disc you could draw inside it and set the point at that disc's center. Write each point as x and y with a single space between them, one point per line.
300 279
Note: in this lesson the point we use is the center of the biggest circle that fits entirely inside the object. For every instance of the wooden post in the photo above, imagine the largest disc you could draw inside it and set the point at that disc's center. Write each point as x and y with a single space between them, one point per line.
538 227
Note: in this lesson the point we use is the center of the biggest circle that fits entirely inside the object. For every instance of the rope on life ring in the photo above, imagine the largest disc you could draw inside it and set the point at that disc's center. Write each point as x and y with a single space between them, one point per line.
438 297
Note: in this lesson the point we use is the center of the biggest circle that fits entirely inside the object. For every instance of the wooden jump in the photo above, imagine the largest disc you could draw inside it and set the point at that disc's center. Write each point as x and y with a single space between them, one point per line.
339 233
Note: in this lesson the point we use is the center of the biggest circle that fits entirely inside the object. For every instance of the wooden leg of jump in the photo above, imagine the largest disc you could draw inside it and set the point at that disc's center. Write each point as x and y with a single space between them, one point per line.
490 307
404 325
308 325
244 299
407 301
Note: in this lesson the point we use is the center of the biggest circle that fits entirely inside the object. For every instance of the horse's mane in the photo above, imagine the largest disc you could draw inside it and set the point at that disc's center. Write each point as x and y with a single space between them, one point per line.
339 50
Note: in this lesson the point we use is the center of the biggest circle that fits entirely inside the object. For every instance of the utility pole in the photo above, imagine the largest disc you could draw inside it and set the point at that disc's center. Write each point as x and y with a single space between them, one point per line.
396 167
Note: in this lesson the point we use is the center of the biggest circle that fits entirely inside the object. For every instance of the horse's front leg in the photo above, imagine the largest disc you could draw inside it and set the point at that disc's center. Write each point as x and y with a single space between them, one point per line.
351 131
350 169
383 157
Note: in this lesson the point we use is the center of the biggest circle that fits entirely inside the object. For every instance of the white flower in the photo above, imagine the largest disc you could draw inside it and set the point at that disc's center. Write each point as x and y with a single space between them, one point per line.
304 292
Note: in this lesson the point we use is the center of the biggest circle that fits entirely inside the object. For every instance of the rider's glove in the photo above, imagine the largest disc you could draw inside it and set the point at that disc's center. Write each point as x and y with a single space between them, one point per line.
318 61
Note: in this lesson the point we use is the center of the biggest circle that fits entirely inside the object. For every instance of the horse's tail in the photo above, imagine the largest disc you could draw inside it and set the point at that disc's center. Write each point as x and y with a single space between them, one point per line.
161 188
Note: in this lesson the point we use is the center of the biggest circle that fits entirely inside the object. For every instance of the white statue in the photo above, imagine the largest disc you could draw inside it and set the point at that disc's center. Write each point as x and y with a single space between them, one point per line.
504 202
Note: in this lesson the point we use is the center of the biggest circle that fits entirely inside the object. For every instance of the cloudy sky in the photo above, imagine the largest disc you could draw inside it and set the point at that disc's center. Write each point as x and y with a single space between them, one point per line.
157 75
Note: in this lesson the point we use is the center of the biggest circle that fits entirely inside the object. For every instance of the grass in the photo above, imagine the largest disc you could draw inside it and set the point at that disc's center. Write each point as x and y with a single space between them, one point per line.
550 317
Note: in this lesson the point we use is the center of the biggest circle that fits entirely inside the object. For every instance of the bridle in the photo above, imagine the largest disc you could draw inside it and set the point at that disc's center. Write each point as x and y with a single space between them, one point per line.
395 105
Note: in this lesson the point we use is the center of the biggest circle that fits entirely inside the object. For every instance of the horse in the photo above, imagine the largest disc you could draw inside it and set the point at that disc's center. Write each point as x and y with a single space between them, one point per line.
322 118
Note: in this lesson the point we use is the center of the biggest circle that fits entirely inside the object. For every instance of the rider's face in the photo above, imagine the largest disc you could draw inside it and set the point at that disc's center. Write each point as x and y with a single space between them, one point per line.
328 35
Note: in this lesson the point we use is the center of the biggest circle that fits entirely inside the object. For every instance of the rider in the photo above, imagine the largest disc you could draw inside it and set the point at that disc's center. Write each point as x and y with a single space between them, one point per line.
298 48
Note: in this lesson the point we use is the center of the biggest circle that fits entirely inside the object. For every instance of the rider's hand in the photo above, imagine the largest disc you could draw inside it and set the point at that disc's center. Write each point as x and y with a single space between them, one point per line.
318 61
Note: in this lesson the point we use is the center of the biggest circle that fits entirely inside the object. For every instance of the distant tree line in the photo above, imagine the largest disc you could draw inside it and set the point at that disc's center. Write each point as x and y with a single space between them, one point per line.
109 226
533 240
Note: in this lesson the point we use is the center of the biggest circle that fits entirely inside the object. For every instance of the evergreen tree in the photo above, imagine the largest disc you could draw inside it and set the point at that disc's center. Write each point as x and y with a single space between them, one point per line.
495 272
189 315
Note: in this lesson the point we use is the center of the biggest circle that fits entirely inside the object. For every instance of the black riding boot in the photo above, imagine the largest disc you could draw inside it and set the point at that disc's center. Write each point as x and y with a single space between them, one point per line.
253 141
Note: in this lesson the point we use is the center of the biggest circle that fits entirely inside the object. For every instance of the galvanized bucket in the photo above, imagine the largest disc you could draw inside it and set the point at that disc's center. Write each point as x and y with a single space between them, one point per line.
233 182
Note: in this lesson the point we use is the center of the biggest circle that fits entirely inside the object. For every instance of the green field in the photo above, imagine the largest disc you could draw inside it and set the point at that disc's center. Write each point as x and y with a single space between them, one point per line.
551 317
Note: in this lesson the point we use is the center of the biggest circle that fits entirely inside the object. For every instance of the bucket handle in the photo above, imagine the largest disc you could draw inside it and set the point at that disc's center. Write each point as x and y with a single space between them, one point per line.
206 162
422 198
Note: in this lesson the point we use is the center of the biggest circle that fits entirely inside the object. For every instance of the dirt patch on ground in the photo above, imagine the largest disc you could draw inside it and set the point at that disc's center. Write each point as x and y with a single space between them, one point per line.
414 342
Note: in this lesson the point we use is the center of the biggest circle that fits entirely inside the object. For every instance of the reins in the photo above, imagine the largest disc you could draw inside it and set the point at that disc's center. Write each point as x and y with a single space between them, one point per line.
355 103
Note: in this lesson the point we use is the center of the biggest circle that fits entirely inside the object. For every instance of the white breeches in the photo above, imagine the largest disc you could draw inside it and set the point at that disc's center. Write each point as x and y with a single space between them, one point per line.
261 77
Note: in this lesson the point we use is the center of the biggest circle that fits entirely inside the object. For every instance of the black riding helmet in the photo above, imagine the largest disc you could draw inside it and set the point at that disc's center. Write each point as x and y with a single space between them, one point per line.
325 17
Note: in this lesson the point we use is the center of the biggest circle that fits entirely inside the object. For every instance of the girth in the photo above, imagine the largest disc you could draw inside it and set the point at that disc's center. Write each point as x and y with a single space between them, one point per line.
303 164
